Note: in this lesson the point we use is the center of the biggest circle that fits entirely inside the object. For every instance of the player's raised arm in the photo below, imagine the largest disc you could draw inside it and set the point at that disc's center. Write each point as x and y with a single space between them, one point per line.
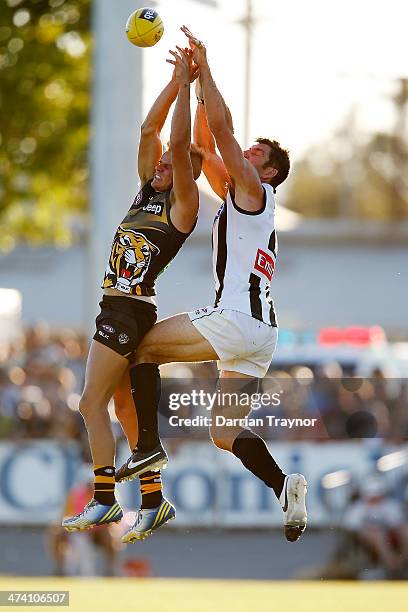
243 175
184 207
150 146
213 166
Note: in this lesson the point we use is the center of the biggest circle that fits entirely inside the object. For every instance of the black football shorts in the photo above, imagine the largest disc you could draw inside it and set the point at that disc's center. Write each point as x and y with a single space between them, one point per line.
123 322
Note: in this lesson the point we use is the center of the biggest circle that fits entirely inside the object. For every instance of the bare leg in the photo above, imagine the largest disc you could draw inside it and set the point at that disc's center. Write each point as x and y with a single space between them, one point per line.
125 410
104 370
172 340
224 436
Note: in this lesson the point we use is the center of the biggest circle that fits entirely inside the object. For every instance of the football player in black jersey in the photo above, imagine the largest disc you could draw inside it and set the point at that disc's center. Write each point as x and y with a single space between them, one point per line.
160 219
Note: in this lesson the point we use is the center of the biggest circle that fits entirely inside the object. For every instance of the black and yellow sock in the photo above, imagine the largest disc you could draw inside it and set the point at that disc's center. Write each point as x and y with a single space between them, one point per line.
104 484
151 489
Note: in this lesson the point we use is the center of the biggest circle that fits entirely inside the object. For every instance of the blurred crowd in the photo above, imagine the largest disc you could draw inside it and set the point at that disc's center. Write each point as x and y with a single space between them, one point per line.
42 375
344 407
41 378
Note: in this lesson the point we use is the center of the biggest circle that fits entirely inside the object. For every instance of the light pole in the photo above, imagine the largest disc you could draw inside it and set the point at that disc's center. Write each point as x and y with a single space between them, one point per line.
248 25
247 22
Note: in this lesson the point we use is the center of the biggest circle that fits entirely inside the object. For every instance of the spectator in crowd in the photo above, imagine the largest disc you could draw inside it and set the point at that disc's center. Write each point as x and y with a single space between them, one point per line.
378 525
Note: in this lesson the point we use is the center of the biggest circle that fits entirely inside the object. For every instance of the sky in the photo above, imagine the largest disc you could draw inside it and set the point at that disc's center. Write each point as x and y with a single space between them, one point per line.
312 62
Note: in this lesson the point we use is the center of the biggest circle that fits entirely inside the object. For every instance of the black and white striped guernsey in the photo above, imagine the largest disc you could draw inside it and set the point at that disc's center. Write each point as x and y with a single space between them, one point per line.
244 256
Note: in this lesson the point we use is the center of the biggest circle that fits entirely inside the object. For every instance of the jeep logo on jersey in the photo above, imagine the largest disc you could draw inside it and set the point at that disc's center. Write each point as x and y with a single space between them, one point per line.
148 14
265 264
154 209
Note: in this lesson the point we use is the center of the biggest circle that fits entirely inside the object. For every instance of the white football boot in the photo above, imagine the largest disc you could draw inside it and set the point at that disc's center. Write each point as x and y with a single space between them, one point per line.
292 499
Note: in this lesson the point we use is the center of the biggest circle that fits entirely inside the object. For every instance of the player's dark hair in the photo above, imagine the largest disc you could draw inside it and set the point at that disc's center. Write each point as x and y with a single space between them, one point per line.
278 159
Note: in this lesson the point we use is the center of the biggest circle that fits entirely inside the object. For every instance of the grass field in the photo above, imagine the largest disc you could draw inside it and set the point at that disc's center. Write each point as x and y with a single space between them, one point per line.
173 595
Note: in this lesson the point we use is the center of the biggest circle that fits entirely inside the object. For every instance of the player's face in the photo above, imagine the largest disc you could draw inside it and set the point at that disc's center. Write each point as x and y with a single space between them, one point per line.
258 155
163 173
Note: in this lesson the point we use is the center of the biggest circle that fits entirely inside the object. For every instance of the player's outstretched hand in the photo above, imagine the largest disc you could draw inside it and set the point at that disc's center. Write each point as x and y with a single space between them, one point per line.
197 46
184 67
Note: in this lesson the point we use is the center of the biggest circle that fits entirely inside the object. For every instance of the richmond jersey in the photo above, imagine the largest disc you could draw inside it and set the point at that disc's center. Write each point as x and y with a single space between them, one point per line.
144 244
244 256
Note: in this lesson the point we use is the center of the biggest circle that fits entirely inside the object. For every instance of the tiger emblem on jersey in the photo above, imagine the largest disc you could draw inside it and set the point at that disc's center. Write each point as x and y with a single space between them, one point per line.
129 260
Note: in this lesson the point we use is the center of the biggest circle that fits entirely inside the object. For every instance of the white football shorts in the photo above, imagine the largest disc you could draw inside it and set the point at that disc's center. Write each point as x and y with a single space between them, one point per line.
242 343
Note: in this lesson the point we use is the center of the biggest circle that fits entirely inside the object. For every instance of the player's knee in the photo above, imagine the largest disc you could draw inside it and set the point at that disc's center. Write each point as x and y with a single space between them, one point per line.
89 405
219 437
147 355
85 406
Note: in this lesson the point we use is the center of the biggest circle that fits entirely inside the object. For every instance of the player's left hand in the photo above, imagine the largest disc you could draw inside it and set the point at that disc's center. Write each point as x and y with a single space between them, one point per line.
197 46
185 70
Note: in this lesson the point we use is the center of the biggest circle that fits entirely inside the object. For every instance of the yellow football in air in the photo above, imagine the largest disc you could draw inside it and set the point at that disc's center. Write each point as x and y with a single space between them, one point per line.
144 27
